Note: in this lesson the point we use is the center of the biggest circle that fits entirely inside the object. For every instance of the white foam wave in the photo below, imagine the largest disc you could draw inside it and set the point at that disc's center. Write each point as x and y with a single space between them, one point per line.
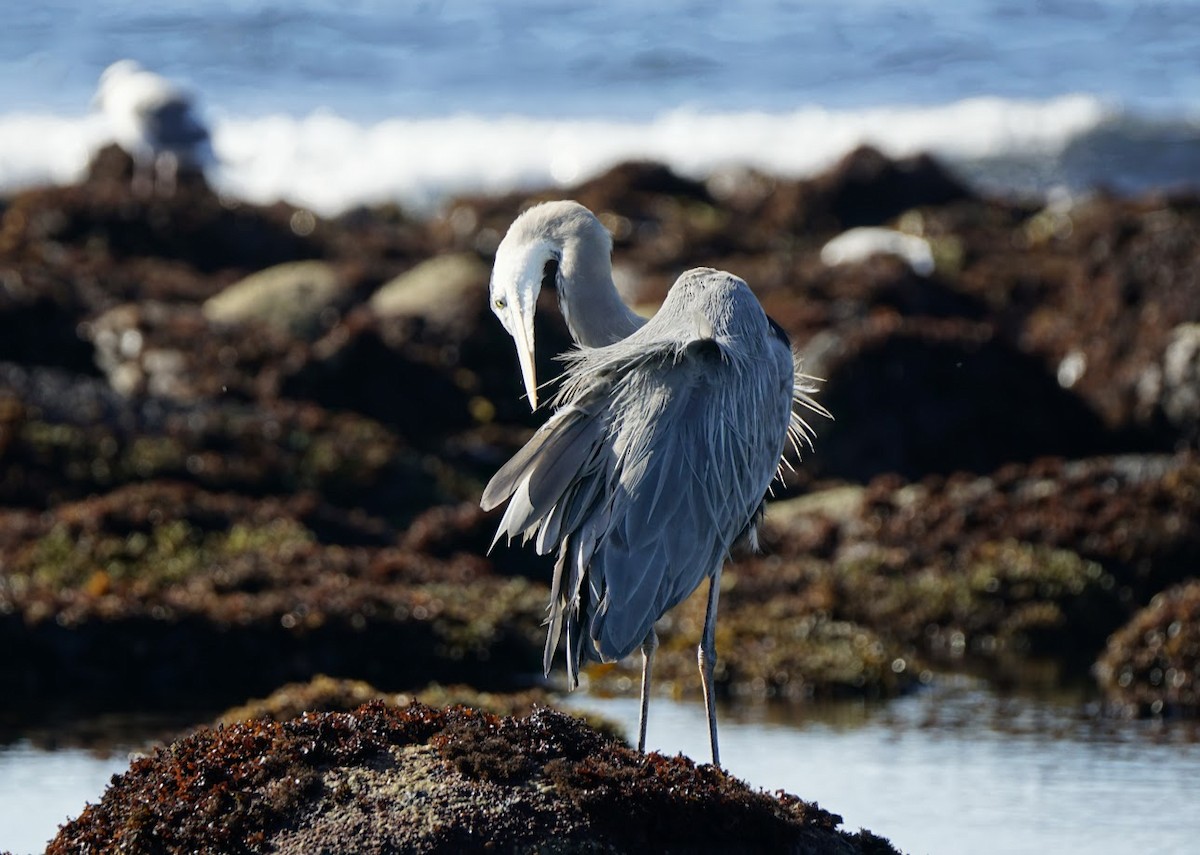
43 149
328 163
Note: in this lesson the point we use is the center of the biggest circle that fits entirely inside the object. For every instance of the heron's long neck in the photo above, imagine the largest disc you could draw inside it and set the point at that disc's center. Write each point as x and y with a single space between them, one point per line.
595 313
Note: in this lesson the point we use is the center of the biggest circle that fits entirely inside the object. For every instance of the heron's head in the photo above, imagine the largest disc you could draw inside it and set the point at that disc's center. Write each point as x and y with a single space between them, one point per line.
523 263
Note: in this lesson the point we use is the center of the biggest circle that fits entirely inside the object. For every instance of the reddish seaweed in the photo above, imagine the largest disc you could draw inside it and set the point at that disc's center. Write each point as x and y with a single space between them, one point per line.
543 780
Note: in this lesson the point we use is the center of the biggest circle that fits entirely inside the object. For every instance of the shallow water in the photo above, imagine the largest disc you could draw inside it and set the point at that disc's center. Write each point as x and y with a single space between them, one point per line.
957 768
41 789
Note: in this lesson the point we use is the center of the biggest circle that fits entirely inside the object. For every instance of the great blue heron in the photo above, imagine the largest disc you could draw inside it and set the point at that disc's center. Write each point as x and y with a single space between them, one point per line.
665 437
154 122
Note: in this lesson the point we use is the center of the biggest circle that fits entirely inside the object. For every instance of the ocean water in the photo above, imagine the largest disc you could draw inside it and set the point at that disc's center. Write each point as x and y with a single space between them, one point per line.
333 104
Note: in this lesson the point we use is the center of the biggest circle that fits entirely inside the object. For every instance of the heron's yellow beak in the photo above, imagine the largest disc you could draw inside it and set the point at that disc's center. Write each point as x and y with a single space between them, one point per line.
523 338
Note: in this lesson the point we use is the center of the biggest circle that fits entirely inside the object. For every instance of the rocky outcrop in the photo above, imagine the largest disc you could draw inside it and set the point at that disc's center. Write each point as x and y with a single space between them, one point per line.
416 779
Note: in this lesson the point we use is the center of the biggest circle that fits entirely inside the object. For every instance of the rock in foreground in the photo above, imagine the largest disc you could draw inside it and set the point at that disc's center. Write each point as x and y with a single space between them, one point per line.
416 779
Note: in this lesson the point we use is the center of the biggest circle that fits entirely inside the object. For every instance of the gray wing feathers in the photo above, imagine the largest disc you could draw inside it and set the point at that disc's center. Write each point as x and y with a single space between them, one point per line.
700 473
657 460
570 571
536 478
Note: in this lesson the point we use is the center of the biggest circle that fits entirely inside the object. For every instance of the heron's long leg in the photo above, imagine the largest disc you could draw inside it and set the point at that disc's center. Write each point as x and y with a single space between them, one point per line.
166 171
648 648
708 661
142 184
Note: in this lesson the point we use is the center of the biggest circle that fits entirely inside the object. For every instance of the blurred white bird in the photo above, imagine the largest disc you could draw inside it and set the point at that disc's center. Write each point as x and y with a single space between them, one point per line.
154 122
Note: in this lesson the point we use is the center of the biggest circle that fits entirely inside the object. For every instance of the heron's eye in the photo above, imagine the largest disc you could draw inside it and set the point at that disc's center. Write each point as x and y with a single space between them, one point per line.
500 303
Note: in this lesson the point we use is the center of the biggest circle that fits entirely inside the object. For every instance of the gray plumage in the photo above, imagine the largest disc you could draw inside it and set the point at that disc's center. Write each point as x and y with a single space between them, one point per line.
665 437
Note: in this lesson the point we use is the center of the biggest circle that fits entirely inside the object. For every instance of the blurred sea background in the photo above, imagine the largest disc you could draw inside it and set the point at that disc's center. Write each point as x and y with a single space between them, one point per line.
332 105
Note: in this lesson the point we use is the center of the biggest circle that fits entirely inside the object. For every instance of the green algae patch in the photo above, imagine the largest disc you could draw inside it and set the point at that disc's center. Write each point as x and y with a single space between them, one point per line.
786 655
417 779
997 597
166 555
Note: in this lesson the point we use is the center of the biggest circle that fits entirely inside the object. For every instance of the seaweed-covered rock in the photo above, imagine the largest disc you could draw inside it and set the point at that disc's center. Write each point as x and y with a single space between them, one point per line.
328 694
777 646
39 314
923 396
867 188
1152 664
433 380
378 368
1095 289
450 530
66 436
165 247
144 595
416 779
1040 560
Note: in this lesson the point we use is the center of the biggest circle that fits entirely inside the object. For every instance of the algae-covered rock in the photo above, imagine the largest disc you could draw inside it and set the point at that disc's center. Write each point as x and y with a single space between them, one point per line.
299 296
329 694
779 645
1152 664
434 290
962 415
1006 597
64 437
157 592
1105 533
416 779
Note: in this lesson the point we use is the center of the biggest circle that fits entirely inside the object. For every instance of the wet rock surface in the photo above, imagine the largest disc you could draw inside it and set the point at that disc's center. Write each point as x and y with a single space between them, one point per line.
416 779
198 506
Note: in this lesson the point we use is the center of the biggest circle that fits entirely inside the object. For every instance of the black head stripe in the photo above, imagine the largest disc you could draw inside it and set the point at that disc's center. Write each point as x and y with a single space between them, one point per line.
779 333
550 273
704 350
